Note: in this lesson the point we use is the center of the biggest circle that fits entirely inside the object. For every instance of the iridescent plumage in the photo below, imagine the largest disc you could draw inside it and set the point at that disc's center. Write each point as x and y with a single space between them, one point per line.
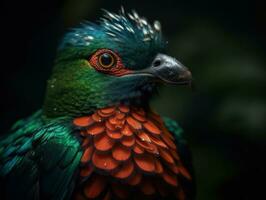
96 136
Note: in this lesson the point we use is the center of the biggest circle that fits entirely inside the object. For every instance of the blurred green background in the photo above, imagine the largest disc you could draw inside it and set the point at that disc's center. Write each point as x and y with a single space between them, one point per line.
222 42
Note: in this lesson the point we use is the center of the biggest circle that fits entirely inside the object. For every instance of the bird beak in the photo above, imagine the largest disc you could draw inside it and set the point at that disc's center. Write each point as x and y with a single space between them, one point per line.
167 69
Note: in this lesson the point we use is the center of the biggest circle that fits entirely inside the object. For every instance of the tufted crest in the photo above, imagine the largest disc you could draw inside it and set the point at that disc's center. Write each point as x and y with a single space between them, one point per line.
121 28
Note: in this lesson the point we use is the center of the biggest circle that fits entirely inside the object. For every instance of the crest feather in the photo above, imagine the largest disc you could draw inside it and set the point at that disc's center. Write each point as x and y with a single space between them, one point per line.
121 28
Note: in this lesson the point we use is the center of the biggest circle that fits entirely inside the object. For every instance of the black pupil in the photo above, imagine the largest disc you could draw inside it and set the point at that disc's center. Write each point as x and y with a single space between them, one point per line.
106 59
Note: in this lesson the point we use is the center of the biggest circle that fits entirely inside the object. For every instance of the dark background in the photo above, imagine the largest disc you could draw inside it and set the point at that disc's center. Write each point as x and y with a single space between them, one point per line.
222 42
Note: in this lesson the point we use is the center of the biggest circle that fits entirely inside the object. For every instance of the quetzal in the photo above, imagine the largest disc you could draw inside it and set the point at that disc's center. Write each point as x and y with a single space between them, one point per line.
96 136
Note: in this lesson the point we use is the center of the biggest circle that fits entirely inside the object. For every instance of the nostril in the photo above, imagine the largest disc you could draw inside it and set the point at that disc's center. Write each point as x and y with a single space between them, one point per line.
157 63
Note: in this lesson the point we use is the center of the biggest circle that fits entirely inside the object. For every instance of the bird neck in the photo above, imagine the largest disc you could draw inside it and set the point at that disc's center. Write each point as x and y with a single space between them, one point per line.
56 107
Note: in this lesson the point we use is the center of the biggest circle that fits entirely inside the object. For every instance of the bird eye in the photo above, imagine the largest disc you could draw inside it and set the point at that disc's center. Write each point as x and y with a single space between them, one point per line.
107 60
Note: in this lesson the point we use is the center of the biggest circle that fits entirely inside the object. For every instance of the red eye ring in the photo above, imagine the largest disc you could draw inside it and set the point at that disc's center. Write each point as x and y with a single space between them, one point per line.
109 62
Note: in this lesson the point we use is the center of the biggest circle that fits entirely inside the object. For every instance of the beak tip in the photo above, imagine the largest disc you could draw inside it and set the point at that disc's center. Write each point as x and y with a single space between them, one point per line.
186 76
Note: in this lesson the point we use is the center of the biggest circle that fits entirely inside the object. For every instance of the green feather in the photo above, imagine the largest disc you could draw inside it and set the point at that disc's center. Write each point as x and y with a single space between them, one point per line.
39 159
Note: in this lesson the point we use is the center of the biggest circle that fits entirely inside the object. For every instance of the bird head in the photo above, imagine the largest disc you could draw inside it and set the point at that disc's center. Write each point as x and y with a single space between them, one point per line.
119 60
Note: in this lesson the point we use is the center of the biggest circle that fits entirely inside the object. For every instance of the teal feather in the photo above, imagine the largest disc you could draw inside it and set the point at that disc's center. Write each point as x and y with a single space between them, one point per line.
173 127
39 153
131 35
22 180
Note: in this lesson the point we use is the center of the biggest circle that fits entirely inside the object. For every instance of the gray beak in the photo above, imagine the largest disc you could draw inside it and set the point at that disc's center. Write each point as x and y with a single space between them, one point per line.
168 70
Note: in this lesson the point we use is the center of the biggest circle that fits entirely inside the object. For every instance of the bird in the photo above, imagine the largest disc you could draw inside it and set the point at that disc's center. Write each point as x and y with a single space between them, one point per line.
96 135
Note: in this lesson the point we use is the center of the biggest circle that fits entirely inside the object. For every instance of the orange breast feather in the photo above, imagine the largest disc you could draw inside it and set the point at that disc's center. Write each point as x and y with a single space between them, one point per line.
128 151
